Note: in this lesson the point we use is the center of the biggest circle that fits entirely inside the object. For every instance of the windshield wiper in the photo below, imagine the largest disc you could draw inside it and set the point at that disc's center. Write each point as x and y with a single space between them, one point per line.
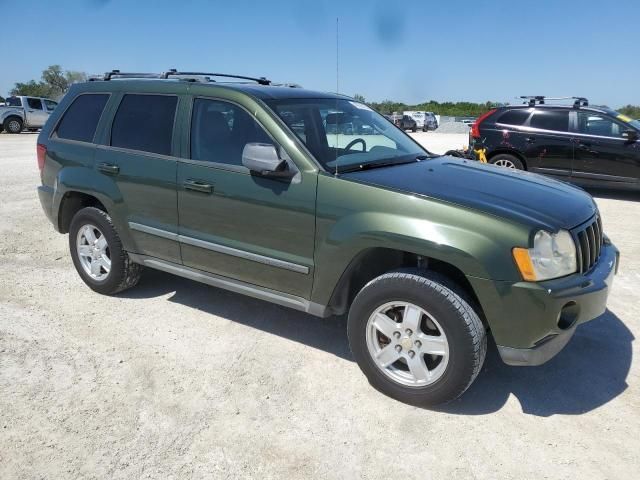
381 164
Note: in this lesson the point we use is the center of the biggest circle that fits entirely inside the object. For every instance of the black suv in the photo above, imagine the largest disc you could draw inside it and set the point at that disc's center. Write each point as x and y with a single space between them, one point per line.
583 144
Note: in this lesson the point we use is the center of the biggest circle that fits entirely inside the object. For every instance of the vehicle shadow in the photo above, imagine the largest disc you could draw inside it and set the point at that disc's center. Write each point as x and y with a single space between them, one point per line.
588 373
628 195
327 334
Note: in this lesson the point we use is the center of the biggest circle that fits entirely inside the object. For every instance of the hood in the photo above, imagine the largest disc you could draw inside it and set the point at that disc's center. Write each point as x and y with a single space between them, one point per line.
525 197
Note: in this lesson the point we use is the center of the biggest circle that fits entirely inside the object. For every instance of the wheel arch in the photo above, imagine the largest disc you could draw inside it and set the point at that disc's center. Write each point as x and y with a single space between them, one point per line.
373 262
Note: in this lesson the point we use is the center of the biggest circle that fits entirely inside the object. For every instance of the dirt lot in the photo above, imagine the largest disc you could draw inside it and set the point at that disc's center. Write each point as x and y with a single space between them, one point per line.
179 380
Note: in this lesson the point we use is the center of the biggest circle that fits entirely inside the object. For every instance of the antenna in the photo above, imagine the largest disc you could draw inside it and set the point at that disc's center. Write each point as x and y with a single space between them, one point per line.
337 91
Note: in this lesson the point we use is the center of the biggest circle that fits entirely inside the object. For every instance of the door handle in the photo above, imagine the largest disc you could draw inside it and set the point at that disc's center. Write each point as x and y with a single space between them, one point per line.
586 147
198 186
530 139
109 168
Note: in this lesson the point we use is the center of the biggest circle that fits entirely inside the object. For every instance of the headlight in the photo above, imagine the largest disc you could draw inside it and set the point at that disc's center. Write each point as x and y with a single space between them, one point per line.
553 255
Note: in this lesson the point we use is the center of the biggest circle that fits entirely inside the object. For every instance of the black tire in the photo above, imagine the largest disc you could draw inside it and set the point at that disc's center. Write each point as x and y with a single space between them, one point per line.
505 157
425 129
414 129
124 273
13 125
463 328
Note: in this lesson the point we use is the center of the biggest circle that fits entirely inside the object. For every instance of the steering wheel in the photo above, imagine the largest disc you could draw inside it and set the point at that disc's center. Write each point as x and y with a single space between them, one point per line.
357 140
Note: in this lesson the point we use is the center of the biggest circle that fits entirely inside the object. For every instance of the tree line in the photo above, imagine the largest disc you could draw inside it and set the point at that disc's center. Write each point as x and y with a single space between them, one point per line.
457 109
53 83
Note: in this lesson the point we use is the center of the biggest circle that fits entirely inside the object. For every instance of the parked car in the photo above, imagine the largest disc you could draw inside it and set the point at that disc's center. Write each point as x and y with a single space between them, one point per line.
427 254
23 112
424 120
579 143
404 122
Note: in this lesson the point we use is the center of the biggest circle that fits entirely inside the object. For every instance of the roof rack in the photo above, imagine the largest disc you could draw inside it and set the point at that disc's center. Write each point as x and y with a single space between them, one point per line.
175 73
541 100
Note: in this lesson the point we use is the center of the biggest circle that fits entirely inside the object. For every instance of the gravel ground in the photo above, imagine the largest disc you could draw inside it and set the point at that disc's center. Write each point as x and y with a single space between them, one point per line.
179 380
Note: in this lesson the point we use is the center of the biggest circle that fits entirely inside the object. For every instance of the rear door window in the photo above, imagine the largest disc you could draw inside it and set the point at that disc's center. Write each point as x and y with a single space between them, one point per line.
514 117
556 120
145 123
34 103
81 118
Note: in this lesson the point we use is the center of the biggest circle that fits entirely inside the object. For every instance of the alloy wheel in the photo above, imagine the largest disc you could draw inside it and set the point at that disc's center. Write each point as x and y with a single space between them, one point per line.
93 252
407 344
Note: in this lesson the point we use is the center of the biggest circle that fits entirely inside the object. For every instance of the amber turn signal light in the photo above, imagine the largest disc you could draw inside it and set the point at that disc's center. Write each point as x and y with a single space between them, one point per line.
523 261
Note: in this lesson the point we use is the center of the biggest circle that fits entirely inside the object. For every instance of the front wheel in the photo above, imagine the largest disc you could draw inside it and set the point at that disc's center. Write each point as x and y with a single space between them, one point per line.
97 253
416 339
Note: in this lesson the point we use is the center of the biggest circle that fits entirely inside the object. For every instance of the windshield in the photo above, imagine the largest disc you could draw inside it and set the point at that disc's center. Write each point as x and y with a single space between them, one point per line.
345 135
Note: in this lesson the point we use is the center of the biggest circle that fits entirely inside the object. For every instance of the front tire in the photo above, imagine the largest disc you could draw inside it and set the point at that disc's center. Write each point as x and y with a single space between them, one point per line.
507 161
97 253
13 125
416 339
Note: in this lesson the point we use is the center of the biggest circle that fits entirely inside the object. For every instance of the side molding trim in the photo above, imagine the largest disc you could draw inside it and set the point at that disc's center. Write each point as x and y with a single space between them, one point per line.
215 247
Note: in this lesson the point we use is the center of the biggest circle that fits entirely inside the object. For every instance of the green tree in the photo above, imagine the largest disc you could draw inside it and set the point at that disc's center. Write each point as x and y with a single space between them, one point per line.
632 111
2 99
54 83
359 98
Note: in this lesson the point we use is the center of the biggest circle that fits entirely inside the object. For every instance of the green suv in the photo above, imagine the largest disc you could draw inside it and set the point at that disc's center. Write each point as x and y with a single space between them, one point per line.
241 186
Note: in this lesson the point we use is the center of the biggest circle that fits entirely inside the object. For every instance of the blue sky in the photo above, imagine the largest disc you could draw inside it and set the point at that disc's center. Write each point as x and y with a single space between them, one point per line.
473 50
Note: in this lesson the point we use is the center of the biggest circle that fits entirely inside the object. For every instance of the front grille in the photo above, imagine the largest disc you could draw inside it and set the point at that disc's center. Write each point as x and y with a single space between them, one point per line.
589 240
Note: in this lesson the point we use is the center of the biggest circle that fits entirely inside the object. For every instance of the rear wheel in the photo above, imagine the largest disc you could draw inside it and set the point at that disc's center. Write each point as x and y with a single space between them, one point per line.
416 339
97 253
13 125
507 161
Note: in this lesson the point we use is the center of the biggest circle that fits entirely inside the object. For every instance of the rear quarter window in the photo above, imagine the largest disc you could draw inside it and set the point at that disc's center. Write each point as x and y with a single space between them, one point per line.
514 117
80 120
145 123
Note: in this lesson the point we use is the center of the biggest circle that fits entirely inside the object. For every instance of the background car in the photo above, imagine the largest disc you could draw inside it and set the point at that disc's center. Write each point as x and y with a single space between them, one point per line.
584 144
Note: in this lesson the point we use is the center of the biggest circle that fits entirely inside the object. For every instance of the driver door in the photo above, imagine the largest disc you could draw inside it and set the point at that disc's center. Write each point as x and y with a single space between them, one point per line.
237 224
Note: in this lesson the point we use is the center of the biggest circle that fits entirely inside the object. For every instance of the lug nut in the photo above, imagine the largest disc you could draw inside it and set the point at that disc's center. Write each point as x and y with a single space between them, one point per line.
398 348
411 353
408 331
418 343
396 334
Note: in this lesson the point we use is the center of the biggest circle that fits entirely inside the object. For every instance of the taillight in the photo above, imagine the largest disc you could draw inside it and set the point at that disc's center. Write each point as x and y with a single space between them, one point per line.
475 128
42 153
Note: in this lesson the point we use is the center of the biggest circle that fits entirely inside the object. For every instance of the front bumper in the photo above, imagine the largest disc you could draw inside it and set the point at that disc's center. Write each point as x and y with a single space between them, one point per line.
531 322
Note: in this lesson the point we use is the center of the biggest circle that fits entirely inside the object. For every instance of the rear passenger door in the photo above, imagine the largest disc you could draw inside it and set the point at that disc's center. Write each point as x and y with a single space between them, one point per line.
548 144
139 161
236 224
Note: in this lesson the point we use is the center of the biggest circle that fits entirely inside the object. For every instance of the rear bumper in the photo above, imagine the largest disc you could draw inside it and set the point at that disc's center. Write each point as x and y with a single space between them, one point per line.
532 322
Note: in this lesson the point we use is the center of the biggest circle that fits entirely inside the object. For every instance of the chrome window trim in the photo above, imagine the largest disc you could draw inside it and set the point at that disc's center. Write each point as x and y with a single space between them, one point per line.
216 247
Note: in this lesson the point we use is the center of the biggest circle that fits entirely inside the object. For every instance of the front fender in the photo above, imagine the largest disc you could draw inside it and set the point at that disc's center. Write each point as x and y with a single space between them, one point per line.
476 243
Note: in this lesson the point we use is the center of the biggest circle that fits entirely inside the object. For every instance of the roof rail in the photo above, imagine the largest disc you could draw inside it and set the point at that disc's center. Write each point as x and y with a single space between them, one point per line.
541 100
117 73
173 72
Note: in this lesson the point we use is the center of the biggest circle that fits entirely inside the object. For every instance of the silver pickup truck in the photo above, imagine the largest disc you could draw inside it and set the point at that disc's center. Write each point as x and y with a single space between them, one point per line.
21 112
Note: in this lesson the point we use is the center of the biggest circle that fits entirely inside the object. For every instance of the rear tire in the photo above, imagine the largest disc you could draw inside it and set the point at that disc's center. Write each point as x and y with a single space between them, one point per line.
507 161
434 345
414 129
97 253
13 125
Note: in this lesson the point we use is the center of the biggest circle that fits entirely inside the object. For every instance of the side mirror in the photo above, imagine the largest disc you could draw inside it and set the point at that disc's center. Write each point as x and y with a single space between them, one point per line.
630 135
263 159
